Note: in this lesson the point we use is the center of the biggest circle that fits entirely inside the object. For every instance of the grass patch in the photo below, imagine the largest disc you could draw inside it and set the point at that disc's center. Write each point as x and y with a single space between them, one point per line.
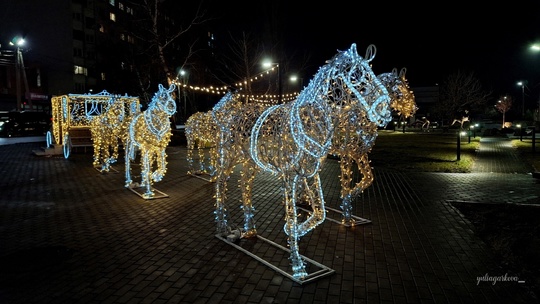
424 152
525 151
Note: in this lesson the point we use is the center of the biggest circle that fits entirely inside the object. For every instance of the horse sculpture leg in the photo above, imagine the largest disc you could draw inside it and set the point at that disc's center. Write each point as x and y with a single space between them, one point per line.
222 176
145 175
348 193
293 228
161 167
246 183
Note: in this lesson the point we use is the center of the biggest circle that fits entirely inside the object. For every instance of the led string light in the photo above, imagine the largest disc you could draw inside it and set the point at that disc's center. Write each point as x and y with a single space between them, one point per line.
290 140
78 111
301 133
111 128
222 90
149 133
356 134
200 130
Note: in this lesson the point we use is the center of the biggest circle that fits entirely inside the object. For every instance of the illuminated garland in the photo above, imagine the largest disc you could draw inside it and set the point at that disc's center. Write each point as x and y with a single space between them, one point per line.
222 90
150 132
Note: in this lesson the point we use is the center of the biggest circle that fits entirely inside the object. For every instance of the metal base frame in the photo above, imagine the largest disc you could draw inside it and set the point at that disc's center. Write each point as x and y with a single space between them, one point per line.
324 270
201 177
358 220
137 190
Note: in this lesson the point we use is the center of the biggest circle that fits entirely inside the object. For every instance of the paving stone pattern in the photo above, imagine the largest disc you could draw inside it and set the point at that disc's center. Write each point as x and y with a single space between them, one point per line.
69 234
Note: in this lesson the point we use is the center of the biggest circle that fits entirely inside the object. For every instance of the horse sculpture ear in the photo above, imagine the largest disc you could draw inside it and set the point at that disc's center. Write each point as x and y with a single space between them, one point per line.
370 52
402 72
394 71
172 87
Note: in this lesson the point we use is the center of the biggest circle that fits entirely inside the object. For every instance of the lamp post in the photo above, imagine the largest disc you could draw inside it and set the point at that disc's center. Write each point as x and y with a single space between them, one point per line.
18 42
522 84
184 76
268 64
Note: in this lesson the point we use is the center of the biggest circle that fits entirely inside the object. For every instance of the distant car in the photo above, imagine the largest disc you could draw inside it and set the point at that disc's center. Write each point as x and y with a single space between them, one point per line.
26 123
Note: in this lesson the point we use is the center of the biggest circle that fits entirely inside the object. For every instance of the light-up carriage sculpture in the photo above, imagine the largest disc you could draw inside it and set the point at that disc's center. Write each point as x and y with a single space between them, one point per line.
291 140
110 130
72 115
355 135
149 134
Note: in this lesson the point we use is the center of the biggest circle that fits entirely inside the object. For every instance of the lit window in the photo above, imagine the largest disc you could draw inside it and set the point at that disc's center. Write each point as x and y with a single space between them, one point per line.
111 2
101 28
79 70
123 36
112 16
103 76
121 6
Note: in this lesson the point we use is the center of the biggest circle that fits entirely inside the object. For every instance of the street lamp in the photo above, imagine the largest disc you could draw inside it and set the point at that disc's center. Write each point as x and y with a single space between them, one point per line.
184 76
268 64
18 42
294 78
522 84
536 48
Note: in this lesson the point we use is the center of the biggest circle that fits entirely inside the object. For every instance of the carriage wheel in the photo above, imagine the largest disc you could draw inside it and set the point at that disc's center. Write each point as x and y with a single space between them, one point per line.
48 138
67 146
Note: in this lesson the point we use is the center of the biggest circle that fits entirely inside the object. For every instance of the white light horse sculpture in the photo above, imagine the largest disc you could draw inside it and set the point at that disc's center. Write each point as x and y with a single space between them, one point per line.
150 133
201 135
292 139
110 129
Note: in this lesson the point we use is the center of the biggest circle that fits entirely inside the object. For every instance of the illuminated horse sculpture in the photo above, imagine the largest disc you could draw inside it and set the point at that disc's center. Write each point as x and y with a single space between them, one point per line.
356 131
110 129
150 133
201 133
291 140
463 119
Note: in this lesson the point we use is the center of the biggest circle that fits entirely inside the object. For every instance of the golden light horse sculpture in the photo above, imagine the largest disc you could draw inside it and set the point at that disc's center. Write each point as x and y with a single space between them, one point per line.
355 135
201 135
110 129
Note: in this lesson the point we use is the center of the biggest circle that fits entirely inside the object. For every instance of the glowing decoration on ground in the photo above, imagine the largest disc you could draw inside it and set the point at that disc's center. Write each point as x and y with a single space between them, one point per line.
463 119
201 135
110 129
149 133
356 132
291 140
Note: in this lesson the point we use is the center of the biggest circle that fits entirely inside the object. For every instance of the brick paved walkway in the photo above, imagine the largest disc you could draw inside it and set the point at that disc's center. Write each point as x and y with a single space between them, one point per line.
69 234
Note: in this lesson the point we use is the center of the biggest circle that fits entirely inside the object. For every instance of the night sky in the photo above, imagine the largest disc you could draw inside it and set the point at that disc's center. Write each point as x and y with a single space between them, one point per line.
431 41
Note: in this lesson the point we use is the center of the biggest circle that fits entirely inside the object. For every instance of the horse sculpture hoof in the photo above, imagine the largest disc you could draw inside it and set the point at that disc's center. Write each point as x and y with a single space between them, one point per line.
156 176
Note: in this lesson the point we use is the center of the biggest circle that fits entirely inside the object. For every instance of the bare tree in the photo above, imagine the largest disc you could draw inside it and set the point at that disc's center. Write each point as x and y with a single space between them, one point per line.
160 28
239 60
503 105
460 92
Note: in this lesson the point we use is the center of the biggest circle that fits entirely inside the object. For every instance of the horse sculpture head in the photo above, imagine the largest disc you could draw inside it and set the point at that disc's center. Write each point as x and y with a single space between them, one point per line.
163 99
401 97
351 85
